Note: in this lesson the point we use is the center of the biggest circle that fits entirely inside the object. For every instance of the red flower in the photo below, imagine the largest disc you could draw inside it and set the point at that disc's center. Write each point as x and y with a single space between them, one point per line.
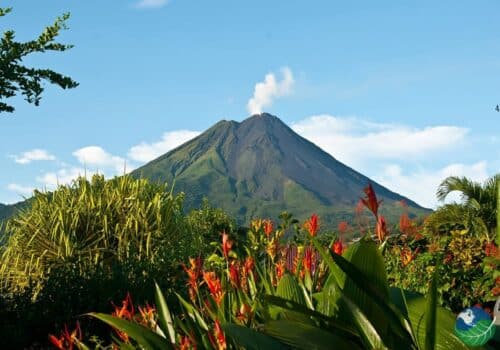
370 201
194 273
307 262
187 343
148 316
280 270
381 229
249 265
312 225
126 311
214 285
227 244
245 313
67 339
268 227
490 249
234 275
338 247
218 339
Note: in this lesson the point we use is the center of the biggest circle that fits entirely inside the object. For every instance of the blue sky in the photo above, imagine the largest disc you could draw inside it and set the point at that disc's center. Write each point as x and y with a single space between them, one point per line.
404 93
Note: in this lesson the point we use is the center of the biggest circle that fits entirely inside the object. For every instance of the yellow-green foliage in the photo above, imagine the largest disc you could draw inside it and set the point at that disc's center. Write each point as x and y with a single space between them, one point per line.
89 223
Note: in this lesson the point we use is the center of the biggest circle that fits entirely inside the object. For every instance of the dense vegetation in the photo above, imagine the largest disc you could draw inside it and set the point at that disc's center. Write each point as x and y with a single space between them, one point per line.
85 247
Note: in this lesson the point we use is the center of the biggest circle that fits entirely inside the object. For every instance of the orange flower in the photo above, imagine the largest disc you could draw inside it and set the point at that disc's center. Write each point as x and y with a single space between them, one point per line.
370 201
148 316
381 228
312 225
126 311
67 339
245 313
249 265
187 343
194 273
214 285
338 247
307 261
280 270
234 275
272 248
490 249
268 227
407 256
227 244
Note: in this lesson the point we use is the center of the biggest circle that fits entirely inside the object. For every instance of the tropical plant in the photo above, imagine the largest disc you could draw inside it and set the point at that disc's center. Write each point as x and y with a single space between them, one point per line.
92 223
478 212
16 78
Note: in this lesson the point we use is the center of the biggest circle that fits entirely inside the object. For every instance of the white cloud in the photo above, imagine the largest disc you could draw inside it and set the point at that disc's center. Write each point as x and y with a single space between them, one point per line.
95 156
51 180
151 3
145 152
33 155
421 185
265 92
20 189
353 141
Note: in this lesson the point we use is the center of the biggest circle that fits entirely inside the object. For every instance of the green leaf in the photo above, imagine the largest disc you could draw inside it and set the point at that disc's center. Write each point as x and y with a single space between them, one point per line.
371 338
145 337
252 339
289 289
431 314
306 336
164 316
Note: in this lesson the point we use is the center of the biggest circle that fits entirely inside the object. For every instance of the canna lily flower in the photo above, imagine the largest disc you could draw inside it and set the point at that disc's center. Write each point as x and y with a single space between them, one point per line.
370 201
249 265
187 343
338 247
381 228
280 270
268 227
312 225
127 312
227 244
214 285
307 261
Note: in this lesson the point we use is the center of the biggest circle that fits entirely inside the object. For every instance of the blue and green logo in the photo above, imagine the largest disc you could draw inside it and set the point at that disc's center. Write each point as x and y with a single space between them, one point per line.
474 326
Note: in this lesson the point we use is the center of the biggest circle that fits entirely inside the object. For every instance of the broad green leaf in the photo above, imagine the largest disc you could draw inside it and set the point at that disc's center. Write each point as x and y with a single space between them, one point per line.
145 337
289 289
366 330
306 336
164 317
251 339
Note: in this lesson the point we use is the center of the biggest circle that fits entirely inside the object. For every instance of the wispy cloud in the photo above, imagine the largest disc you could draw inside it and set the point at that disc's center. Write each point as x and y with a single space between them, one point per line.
33 155
20 189
421 185
148 4
146 152
64 176
353 140
95 156
267 91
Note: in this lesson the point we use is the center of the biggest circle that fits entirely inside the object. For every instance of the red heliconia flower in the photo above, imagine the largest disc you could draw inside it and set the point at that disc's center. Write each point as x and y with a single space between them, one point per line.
343 227
338 247
307 261
381 229
280 270
194 273
227 244
67 340
312 225
148 316
187 343
214 285
268 227
218 339
370 201
234 275
126 311
249 265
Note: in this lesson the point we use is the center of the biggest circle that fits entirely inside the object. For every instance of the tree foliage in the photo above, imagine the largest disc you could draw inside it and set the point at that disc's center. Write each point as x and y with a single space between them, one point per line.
17 78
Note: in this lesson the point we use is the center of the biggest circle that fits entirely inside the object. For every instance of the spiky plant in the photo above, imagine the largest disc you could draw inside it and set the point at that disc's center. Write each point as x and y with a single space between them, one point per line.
92 222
